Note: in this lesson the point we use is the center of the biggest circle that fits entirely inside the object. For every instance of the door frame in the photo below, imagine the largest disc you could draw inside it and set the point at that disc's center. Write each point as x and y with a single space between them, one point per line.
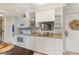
2 15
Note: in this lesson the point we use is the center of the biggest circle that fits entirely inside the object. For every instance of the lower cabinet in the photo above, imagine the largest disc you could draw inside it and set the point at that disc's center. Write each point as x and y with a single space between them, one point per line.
41 45
27 42
58 46
30 42
45 45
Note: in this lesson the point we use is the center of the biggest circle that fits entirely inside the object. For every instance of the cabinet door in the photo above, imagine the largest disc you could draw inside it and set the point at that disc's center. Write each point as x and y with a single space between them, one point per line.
27 42
50 46
14 40
44 45
45 16
58 18
40 45
58 46
31 43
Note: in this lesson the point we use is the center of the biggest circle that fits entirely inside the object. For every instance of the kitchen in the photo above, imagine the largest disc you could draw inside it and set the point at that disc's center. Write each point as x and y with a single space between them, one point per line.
40 39
40 28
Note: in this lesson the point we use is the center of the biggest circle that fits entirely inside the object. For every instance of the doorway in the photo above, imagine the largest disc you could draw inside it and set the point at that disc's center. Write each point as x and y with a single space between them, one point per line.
72 33
1 29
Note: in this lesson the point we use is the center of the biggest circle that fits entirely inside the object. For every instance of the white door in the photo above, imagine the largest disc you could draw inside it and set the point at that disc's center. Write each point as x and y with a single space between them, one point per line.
8 29
72 38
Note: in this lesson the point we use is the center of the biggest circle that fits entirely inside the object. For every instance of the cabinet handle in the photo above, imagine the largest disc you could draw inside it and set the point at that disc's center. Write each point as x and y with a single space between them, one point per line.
66 33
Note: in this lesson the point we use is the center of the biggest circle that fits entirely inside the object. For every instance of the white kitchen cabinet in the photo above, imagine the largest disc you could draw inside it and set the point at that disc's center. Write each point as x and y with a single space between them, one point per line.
44 45
51 46
27 20
55 15
58 46
58 18
27 42
14 40
45 16
58 43
30 42
40 45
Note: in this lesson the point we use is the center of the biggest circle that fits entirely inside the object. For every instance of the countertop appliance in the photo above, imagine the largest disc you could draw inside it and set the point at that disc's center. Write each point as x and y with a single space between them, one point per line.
47 26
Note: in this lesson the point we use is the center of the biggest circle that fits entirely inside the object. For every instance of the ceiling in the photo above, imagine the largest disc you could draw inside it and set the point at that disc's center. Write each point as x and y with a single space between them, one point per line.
16 8
32 6
22 8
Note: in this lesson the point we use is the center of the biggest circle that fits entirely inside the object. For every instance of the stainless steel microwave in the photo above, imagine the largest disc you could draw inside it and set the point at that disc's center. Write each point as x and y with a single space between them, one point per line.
47 26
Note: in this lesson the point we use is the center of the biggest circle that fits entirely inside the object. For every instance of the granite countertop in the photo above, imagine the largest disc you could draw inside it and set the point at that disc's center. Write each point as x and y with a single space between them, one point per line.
50 36
60 36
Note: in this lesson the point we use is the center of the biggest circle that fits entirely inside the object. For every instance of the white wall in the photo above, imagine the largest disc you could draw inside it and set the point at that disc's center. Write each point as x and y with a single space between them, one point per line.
9 10
18 21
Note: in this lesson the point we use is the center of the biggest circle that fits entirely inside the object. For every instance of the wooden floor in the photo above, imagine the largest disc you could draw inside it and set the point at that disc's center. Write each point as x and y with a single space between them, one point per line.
22 51
70 53
18 51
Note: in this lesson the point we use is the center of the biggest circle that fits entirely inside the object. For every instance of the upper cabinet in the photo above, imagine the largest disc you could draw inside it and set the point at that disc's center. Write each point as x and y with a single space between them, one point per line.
53 14
45 15
32 19
27 19
58 18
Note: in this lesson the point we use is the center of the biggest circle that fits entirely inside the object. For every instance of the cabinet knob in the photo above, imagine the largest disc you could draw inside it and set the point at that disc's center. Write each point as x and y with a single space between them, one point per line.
66 33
